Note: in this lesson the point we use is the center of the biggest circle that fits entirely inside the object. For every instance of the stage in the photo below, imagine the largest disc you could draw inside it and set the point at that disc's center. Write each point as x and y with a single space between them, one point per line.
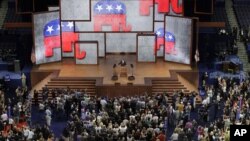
68 68
153 78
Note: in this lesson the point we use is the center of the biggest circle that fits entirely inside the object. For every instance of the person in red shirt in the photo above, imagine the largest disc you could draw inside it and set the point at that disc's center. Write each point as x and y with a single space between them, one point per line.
161 137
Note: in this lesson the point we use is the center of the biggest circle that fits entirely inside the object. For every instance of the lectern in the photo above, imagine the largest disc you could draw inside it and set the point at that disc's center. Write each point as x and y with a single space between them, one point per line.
123 72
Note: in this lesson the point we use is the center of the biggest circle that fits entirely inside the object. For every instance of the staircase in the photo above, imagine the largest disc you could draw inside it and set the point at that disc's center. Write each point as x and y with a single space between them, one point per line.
3 11
82 84
169 86
242 53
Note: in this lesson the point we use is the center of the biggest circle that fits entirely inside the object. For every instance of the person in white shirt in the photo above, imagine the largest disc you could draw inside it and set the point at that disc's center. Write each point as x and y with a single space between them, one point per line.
98 129
123 129
116 130
41 106
155 119
4 117
11 121
103 103
174 136
26 132
31 135
48 116
205 102
48 112
149 116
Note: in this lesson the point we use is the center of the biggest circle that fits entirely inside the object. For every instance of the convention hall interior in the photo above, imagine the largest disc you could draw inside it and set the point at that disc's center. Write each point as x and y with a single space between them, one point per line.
124 70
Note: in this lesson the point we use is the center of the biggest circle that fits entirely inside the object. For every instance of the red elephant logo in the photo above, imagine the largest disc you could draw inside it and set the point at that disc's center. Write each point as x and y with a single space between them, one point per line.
163 6
52 38
110 13
169 40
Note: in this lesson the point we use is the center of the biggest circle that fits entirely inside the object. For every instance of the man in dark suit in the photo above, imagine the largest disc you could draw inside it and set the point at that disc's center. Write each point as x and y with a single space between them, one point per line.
122 63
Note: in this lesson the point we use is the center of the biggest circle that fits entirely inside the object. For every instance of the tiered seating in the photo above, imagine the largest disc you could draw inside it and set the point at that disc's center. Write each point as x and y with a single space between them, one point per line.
241 2
243 15
82 84
11 16
8 51
220 15
169 86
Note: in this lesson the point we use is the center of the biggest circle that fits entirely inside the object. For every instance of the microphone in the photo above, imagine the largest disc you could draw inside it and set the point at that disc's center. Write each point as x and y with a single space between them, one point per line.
131 65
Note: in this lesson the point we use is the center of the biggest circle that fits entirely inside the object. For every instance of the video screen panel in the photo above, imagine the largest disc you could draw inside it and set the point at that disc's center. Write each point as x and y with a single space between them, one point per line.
121 42
159 32
99 37
47 37
119 16
68 37
146 48
178 39
75 10
88 52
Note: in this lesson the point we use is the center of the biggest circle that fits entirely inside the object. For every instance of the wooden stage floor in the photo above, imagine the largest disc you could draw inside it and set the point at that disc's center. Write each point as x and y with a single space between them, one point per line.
68 68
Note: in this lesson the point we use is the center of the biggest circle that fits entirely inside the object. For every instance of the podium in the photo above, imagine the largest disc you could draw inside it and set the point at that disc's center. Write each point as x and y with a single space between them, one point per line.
123 72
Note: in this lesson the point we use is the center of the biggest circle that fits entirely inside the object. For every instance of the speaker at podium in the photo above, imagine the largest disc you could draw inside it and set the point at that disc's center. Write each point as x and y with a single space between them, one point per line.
123 71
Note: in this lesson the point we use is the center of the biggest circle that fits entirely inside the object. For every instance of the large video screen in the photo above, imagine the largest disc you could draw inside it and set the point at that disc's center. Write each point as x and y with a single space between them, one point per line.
146 48
178 39
113 24
75 10
119 16
47 41
86 52
99 37
121 42
159 45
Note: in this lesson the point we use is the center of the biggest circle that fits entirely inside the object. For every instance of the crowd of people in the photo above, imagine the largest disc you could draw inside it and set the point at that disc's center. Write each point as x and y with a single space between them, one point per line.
15 120
137 118
121 118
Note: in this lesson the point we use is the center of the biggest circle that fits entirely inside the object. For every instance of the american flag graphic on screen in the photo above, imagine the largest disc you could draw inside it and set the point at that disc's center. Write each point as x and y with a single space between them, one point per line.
52 38
110 12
